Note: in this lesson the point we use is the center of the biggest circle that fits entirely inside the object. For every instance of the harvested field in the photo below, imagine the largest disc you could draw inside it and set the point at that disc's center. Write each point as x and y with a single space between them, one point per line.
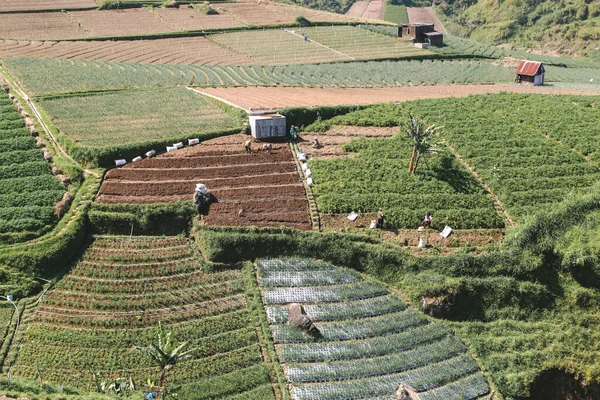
280 97
334 138
374 10
189 50
22 5
130 21
251 189
190 19
255 14
47 25
357 9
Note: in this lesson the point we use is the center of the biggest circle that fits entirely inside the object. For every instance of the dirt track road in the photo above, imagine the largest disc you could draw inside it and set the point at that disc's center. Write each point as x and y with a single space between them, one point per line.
279 97
424 15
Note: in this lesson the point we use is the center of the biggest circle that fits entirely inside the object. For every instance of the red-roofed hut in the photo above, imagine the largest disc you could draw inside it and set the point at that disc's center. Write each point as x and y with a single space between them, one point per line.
530 72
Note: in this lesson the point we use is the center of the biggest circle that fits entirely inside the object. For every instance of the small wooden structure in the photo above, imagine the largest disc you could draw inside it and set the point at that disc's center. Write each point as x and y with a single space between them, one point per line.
421 33
530 72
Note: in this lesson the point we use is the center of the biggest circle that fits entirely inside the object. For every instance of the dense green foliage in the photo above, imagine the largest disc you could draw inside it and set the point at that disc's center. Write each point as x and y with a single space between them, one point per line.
428 362
378 177
28 190
207 310
510 147
394 12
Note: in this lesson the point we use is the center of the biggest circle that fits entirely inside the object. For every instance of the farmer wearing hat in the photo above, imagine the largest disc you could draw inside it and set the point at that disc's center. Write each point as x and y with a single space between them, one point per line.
202 199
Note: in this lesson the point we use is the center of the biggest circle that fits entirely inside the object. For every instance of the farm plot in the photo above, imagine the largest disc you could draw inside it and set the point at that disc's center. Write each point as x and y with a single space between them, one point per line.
187 50
28 5
188 19
376 176
45 25
507 144
335 43
129 21
41 76
369 343
28 190
136 116
257 189
114 298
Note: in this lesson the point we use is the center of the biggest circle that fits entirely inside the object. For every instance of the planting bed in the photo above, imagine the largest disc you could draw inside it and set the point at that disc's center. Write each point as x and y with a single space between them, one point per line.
369 342
28 190
47 25
28 5
130 21
136 116
187 50
187 19
252 189
115 296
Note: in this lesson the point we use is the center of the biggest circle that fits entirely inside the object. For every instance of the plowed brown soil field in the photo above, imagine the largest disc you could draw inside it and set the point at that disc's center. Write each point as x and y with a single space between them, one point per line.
257 189
27 5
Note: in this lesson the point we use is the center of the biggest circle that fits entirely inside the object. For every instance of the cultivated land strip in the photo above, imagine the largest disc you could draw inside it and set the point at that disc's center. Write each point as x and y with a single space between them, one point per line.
280 97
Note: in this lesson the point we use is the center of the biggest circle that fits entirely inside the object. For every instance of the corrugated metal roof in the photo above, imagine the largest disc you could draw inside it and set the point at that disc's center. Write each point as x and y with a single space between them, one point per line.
528 68
434 33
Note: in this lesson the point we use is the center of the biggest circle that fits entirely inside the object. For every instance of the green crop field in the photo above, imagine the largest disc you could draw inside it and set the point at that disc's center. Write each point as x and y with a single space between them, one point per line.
378 177
369 343
28 190
136 116
504 138
115 297
335 43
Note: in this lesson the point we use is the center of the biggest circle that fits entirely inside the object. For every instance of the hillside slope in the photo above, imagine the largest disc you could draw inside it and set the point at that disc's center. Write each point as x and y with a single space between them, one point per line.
564 26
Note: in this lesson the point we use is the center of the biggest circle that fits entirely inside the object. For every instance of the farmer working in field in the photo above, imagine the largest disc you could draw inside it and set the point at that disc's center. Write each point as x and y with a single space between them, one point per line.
293 133
202 199
427 220
248 145
315 143
380 218
268 147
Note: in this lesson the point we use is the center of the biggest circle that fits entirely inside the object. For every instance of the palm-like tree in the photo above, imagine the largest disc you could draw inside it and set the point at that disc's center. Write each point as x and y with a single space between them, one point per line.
422 139
165 353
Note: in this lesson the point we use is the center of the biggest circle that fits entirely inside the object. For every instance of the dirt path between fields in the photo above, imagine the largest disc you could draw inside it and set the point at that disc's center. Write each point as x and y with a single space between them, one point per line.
424 15
281 97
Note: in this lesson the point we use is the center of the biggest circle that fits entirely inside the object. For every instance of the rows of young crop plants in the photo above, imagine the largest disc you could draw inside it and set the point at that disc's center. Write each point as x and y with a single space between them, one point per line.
28 190
136 116
315 44
368 343
113 300
378 177
503 137
47 76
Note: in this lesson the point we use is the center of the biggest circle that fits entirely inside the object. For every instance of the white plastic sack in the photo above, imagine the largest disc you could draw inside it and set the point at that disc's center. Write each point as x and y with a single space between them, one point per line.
170 149
309 181
301 156
308 173
304 167
446 232
118 163
138 158
192 142
422 242
352 216
373 224
178 145
150 153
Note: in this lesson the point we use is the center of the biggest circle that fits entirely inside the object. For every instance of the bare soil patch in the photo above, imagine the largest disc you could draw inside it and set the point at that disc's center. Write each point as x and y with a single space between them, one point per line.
46 25
130 21
189 51
22 5
279 97
357 9
258 189
332 140
190 19
374 10
254 13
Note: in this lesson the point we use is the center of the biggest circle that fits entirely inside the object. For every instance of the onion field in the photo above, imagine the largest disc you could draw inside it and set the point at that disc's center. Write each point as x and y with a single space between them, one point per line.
114 298
377 176
369 343
28 190
525 155
132 116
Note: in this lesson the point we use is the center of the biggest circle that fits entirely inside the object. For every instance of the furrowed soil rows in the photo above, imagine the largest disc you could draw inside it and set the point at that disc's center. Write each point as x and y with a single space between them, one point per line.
188 19
251 189
190 50
50 25
131 21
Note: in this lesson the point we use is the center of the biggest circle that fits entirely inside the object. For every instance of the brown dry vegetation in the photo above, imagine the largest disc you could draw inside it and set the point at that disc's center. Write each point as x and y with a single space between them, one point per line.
189 19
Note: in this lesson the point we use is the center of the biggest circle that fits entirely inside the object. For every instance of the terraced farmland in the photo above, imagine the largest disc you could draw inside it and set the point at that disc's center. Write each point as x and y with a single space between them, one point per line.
114 298
257 189
28 190
369 342
136 116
